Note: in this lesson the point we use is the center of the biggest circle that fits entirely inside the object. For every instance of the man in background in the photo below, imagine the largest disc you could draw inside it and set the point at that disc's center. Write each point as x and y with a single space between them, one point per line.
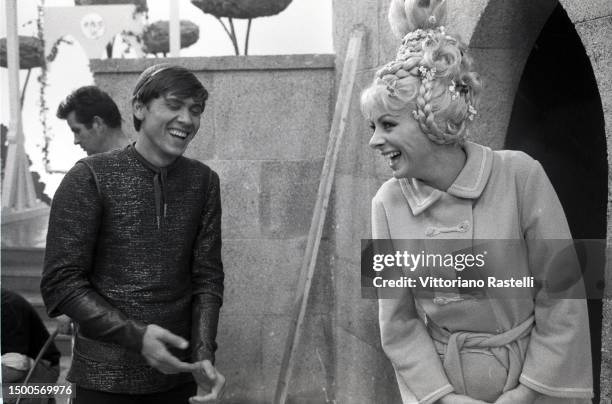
94 118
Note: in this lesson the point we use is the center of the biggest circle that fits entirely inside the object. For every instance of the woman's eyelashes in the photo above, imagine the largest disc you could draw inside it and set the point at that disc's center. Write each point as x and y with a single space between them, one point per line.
386 125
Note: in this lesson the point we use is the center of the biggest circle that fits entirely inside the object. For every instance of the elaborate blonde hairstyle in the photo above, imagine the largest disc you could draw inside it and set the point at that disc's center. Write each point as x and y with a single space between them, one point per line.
431 74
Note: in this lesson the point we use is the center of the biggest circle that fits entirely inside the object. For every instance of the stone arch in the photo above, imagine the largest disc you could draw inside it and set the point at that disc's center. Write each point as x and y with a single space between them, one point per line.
501 39
500 43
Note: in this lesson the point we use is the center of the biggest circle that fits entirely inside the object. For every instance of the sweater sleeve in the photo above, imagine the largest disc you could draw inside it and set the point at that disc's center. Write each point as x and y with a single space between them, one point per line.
207 276
74 223
558 360
405 340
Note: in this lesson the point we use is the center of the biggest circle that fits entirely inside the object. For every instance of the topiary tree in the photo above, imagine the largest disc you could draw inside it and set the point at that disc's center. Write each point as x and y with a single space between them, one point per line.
156 38
31 55
245 9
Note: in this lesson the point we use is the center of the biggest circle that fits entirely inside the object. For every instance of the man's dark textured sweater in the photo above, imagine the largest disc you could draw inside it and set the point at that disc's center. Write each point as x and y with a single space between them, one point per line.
128 245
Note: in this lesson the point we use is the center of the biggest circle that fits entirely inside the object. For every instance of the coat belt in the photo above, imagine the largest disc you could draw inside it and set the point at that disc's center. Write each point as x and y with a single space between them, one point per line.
508 348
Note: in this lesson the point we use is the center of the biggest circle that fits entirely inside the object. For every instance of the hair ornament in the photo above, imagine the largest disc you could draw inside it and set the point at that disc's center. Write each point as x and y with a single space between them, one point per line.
419 35
472 112
427 73
390 81
453 90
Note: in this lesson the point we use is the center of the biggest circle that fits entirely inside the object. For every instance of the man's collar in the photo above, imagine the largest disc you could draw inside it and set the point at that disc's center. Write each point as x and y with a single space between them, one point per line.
469 184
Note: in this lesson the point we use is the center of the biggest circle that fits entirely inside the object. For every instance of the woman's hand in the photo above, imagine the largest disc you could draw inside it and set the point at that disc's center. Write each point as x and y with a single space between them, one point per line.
520 395
453 398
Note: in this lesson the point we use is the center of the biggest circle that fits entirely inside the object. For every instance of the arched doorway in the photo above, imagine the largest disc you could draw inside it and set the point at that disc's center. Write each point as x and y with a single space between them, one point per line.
558 119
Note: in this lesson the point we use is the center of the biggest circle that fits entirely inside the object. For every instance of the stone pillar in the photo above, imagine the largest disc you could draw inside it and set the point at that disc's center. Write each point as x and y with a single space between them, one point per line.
363 374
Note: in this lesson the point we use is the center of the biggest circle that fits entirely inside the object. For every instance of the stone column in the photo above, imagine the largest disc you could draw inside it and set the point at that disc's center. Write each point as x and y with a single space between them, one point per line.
363 374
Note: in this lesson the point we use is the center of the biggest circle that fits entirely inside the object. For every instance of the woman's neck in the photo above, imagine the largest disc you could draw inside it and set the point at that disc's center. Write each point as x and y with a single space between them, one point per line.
446 164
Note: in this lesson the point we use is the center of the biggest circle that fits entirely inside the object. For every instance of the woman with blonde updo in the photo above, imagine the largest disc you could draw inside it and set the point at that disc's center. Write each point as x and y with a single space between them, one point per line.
450 347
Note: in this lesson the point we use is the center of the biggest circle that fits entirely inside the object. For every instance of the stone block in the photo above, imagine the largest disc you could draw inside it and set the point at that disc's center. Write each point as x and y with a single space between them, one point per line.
364 374
240 356
356 157
501 71
352 213
509 23
463 17
580 10
349 13
388 43
241 191
355 314
312 375
261 275
288 195
273 340
322 293
267 199
596 37
272 115
202 147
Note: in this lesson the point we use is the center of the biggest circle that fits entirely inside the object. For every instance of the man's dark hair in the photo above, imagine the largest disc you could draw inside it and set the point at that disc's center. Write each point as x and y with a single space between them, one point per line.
87 102
164 79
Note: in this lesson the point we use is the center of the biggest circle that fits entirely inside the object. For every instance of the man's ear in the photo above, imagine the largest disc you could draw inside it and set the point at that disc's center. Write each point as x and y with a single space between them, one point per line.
98 123
138 109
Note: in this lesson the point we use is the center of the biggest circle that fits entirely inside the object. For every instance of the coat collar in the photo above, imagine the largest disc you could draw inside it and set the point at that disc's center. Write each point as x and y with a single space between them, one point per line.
469 183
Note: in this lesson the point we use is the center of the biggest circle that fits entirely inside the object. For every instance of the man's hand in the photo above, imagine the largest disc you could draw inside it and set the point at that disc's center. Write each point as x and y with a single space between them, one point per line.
520 395
15 367
453 398
210 383
157 355
64 324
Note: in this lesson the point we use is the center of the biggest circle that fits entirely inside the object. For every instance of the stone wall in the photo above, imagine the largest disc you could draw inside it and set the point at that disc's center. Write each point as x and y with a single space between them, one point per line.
264 131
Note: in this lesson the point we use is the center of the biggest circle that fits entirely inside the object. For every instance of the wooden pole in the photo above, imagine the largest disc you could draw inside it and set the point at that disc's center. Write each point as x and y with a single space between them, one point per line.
300 303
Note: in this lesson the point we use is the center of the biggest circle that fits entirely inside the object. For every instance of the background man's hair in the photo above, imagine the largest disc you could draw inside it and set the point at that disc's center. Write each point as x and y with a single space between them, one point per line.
87 102
164 79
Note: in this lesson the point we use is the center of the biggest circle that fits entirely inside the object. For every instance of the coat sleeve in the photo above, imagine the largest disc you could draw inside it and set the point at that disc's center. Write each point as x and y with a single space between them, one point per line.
558 360
74 222
405 340
207 276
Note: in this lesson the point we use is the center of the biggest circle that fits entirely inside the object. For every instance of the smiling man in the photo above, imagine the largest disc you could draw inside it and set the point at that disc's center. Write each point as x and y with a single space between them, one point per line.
94 119
134 256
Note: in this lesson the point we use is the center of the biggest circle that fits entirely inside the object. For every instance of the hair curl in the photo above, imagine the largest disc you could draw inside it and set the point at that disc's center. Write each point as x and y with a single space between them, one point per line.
431 74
